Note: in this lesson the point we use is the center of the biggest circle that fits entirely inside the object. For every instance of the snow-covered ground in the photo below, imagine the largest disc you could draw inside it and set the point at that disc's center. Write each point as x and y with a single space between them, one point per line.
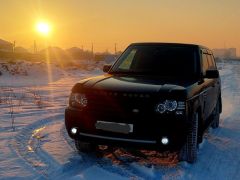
34 143
25 73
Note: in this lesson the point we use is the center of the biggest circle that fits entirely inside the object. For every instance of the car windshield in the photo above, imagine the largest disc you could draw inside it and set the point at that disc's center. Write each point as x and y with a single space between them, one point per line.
160 60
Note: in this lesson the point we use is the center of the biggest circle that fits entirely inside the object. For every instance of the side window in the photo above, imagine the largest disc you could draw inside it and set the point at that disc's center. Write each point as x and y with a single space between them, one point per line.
204 63
210 61
126 63
213 62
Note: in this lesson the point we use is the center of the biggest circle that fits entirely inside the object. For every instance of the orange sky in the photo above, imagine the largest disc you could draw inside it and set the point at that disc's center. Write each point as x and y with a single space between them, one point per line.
214 23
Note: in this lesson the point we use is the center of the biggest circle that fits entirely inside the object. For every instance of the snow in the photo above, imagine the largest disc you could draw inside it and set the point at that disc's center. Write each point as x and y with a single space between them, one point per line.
24 73
35 145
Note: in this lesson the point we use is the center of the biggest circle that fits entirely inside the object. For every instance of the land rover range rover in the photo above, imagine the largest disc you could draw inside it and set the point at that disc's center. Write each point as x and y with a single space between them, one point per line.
161 96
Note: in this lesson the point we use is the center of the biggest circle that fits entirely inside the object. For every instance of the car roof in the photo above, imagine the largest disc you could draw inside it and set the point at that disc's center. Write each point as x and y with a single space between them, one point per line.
167 44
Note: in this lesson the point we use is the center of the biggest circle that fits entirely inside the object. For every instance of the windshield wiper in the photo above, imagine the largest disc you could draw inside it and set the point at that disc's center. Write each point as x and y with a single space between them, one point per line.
125 72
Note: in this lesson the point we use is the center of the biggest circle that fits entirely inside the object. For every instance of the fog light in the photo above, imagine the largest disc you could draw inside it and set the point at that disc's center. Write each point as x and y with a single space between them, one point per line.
74 130
165 141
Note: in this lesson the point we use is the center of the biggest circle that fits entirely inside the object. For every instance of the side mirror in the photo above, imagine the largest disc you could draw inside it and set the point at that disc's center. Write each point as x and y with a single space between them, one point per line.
107 67
212 73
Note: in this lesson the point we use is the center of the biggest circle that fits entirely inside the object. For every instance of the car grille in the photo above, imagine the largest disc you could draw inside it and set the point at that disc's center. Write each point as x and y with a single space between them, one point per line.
119 105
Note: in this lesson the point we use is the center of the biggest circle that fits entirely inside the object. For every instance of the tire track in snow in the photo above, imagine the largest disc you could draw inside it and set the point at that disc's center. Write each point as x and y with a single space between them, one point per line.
27 145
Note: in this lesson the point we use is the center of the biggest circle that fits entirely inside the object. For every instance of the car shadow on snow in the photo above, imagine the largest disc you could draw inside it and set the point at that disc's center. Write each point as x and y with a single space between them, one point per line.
128 163
144 157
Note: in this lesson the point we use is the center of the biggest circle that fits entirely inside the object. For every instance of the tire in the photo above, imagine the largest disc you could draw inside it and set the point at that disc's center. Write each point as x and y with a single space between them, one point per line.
216 116
189 150
85 147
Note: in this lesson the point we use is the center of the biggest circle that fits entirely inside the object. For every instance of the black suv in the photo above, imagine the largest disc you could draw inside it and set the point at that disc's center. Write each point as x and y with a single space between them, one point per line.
160 96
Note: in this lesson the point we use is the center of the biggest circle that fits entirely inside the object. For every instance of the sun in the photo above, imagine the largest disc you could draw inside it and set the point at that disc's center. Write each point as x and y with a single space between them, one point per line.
43 28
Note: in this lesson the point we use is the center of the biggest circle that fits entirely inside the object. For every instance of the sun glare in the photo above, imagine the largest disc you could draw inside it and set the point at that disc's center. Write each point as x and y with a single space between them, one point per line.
43 28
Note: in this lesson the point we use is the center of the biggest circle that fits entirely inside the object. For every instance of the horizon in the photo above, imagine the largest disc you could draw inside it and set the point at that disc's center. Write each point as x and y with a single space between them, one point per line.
80 23
106 51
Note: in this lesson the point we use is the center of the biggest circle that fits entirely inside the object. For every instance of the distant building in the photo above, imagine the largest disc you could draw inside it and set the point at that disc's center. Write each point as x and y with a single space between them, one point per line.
6 46
225 53
20 49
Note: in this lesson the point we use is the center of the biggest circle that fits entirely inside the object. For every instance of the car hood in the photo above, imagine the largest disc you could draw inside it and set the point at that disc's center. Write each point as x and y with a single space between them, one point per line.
136 84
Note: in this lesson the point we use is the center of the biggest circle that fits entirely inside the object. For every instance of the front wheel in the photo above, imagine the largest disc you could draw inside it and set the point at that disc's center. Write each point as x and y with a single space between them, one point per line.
85 147
189 150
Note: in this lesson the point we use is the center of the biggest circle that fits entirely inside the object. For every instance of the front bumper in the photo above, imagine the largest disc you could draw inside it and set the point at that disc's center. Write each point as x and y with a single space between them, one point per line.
147 133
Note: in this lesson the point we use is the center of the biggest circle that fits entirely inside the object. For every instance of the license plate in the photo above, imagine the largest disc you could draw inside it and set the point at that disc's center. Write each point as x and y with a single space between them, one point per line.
114 127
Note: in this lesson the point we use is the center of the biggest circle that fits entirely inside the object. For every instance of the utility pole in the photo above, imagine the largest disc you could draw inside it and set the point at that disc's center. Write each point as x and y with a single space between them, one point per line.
115 48
34 47
92 52
13 46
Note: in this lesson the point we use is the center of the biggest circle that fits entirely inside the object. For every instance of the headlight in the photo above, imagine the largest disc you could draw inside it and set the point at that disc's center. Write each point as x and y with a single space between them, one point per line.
170 105
161 108
78 100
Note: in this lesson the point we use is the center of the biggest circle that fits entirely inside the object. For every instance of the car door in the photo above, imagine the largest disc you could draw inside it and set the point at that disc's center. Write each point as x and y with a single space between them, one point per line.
208 90
215 82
